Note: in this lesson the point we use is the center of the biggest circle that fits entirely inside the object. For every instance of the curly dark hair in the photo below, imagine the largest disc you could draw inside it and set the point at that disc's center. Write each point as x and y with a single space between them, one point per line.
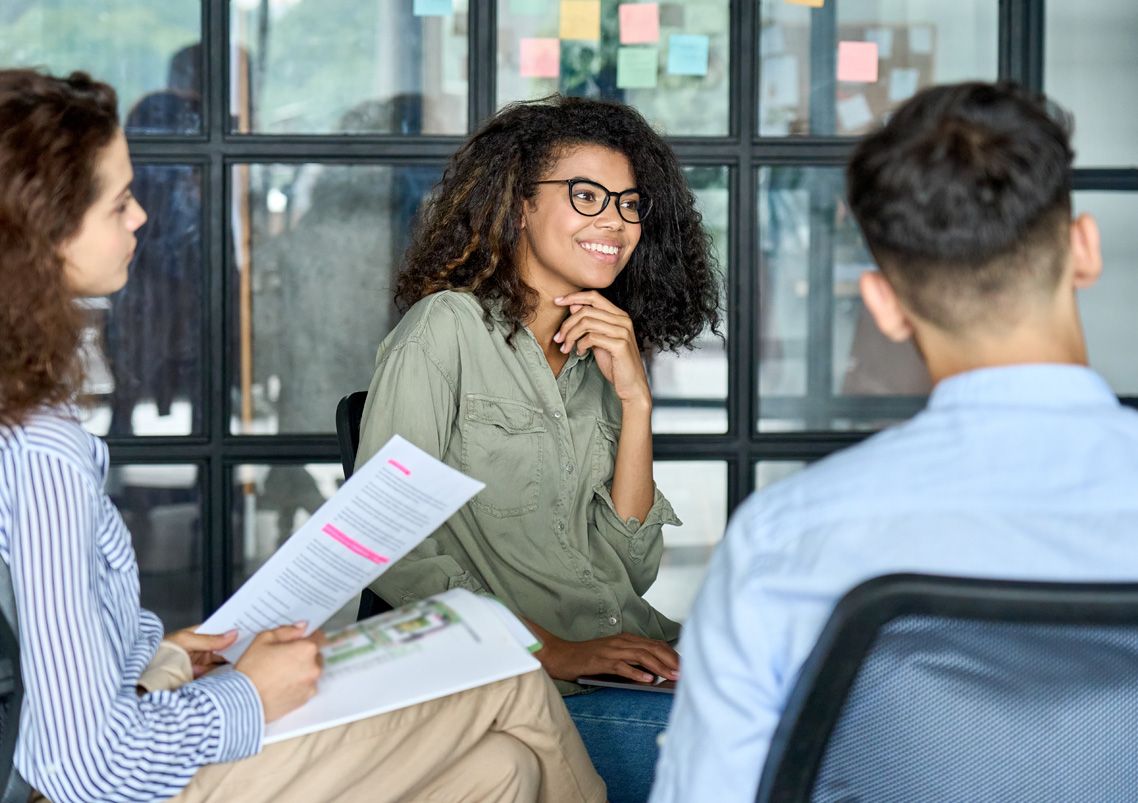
51 133
467 235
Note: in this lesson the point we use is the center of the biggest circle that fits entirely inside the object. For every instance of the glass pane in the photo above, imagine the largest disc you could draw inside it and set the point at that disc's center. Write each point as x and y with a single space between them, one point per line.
690 388
317 246
149 52
822 363
144 343
161 506
839 68
269 503
697 490
669 60
1090 64
768 472
347 66
1107 308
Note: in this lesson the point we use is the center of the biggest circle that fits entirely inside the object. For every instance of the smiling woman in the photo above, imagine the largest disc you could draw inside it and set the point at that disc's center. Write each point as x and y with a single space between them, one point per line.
562 245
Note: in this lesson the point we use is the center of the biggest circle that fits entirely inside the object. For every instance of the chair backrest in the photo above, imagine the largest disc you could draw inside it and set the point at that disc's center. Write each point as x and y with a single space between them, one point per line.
13 788
349 416
936 688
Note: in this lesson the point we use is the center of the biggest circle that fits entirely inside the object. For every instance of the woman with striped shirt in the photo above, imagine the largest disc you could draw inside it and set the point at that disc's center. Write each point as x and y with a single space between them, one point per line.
113 711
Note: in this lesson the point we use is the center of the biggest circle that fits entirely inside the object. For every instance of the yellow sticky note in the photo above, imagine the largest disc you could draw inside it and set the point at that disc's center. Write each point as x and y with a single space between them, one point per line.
581 19
811 3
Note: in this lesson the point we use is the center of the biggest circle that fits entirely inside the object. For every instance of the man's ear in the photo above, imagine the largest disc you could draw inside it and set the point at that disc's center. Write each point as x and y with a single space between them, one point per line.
883 304
1086 251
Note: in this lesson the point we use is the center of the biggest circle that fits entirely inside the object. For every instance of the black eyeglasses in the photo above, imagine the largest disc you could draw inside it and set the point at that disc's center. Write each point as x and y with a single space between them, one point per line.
590 199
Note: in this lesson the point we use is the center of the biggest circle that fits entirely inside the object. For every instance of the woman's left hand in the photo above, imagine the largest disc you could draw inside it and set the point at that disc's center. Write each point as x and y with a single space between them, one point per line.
596 323
201 648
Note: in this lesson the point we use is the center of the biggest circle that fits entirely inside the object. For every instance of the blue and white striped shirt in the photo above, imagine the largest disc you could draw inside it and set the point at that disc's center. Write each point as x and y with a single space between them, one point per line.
85 733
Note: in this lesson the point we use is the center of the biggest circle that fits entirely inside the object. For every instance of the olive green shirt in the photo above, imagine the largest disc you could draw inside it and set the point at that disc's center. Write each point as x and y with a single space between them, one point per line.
543 536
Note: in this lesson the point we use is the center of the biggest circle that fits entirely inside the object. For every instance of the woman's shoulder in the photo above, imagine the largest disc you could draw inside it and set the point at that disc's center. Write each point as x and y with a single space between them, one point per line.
441 318
55 433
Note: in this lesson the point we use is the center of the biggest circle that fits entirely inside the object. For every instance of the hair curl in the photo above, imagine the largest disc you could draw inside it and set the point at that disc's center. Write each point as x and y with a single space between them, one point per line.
51 133
467 235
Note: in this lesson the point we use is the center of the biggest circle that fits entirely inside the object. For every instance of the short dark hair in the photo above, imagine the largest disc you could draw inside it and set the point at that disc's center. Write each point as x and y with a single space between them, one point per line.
964 196
468 232
52 132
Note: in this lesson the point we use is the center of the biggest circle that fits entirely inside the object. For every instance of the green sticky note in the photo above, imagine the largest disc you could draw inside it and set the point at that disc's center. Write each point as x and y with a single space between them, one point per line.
636 67
529 8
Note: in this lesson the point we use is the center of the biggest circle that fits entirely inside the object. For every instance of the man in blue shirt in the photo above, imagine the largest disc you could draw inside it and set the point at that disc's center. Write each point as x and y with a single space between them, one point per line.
1023 465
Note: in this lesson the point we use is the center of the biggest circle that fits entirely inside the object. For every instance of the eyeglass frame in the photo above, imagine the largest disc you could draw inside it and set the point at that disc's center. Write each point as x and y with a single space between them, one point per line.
609 194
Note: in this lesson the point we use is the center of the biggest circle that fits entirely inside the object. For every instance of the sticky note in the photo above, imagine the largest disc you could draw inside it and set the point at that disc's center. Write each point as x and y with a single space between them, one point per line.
883 38
433 8
529 8
811 3
780 81
540 58
854 113
903 83
639 23
857 61
688 54
636 67
581 19
921 39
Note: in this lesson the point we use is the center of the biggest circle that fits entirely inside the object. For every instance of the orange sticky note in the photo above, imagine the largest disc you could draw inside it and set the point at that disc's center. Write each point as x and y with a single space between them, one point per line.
540 58
857 61
639 23
581 19
810 3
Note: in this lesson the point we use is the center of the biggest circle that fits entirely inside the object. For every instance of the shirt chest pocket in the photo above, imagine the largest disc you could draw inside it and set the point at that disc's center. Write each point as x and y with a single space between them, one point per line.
503 444
603 450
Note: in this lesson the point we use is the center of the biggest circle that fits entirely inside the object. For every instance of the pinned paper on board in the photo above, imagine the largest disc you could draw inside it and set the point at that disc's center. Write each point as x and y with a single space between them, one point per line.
780 80
883 38
903 83
529 8
433 8
540 58
921 39
639 23
810 3
854 112
857 62
772 40
688 54
636 67
581 19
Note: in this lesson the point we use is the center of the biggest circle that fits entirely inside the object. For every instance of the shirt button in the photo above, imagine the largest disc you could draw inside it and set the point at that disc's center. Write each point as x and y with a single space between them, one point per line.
568 468
557 415
560 525
612 620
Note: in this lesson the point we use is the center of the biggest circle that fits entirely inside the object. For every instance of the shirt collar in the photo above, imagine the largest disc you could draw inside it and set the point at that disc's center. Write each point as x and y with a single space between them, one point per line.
1034 385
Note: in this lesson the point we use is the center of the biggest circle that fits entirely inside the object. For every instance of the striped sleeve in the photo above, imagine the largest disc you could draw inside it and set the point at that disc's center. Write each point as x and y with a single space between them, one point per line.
85 733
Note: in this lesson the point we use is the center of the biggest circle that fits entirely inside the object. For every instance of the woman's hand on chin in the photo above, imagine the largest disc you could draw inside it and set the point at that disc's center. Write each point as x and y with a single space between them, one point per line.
596 323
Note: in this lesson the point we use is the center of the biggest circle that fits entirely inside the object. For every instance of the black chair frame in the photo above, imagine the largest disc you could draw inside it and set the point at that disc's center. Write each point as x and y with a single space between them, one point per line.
816 702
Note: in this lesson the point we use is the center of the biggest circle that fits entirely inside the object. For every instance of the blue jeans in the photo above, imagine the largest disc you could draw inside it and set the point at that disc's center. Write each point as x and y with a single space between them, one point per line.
619 728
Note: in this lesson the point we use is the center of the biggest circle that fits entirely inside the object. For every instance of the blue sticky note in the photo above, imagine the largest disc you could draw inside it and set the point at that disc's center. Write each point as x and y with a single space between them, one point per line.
687 54
433 8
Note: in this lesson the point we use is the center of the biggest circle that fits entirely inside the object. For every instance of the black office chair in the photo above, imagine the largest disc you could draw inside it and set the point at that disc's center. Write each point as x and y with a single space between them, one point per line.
926 688
349 414
12 787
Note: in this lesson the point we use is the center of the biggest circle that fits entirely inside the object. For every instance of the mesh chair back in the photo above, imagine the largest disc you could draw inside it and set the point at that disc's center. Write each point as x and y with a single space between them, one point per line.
966 690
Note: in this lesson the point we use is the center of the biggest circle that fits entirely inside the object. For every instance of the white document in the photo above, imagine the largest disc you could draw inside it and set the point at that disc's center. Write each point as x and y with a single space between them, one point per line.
884 39
384 510
903 83
921 39
779 76
442 645
854 112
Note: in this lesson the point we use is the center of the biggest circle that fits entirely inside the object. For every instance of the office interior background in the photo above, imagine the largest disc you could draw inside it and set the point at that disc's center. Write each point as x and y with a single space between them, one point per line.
282 148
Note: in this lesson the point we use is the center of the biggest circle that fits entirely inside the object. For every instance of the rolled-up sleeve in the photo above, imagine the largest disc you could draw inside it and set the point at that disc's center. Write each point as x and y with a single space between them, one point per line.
640 544
85 734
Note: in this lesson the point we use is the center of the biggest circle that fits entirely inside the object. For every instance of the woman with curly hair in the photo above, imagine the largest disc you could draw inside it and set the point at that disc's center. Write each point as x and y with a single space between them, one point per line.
561 245
111 710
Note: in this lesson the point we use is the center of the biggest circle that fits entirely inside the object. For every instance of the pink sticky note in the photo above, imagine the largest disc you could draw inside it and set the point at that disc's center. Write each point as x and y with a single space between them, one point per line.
541 58
857 61
639 23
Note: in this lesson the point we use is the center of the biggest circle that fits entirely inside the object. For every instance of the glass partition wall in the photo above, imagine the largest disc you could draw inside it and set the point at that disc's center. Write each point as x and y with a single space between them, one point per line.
283 147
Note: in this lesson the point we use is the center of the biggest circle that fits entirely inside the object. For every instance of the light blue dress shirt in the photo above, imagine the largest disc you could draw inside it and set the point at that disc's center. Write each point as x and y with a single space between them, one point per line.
1024 472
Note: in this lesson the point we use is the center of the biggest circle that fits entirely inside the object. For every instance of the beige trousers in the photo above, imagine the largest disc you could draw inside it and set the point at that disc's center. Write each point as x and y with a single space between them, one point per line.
509 741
